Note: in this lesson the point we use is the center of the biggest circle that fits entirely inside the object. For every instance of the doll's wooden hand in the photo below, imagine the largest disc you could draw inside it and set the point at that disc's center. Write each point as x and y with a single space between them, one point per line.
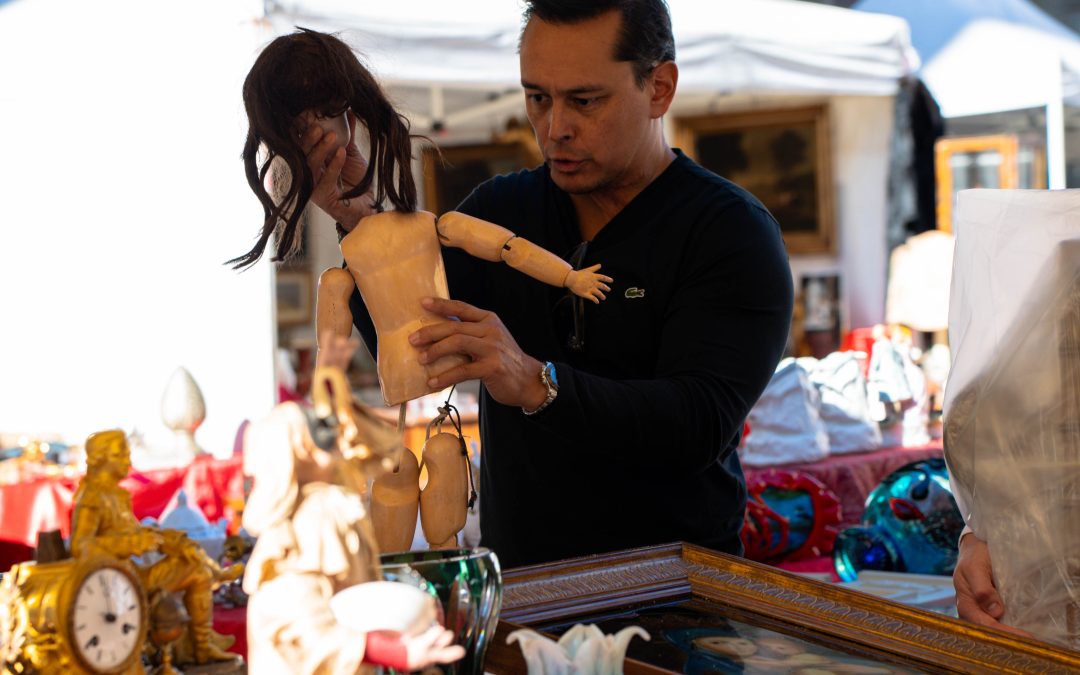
511 376
335 171
588 284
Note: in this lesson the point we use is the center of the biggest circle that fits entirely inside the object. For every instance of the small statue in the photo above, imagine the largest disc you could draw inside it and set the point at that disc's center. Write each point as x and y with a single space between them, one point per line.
314 537
103 523
183 410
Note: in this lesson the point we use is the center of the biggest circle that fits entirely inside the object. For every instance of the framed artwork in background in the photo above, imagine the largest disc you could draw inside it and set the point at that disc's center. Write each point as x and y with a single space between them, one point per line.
295 296
782 157
451 173
821 319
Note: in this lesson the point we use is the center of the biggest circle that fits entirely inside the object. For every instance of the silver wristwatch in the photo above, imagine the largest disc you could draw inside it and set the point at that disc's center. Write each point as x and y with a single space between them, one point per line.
549 380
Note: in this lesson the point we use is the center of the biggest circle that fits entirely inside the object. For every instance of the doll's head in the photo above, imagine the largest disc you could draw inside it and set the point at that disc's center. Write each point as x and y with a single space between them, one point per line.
311 77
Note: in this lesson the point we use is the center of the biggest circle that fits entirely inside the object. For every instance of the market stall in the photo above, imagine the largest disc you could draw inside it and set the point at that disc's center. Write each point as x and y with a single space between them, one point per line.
741 73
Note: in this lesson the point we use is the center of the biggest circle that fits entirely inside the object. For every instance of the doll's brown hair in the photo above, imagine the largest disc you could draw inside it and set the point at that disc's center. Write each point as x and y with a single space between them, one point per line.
308 70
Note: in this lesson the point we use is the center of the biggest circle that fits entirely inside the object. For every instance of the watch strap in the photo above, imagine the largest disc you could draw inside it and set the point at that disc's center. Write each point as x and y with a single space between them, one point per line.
549 380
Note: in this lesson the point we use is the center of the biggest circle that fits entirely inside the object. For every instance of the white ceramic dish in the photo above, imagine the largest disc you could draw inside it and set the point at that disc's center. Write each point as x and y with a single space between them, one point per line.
383 605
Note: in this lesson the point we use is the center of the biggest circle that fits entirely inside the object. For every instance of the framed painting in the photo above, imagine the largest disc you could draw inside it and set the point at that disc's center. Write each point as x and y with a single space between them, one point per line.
451 173
708 612
295 296
782 157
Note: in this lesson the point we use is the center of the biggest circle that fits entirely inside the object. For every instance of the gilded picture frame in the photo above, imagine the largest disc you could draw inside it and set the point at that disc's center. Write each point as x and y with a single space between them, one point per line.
452 172
294 296
856 625
782 156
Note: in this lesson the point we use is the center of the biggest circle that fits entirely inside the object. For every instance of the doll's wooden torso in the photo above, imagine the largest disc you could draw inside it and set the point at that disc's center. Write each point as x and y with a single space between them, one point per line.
396 260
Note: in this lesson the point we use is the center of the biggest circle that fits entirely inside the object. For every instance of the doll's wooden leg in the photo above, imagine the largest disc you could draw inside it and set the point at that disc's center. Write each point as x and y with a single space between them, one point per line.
444 501
394 500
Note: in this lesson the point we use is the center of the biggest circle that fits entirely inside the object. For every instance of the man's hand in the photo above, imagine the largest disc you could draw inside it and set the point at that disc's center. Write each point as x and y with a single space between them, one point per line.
336 170
511 376
977 600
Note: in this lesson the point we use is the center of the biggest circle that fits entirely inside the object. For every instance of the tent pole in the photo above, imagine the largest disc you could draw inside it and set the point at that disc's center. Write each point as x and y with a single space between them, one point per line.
1055 134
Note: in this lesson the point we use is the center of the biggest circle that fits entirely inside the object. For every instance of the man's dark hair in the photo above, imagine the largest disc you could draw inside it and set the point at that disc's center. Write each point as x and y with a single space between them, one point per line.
645 37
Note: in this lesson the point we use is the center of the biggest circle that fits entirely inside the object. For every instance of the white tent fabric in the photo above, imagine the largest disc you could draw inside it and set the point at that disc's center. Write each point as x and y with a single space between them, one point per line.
992 66
456 63
988 56
722 46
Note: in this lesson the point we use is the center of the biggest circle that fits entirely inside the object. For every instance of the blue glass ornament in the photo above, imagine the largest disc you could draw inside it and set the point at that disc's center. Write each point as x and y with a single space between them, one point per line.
911 524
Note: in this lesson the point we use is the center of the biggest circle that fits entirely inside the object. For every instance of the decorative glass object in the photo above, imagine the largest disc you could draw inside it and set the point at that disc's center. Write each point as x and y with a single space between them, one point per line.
911 524
468 586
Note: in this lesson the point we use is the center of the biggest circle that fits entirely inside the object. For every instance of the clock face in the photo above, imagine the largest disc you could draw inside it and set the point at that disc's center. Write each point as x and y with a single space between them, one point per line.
106 619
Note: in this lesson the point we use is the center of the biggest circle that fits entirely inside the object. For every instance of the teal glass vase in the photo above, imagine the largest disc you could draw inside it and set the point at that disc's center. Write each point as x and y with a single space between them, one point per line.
467 585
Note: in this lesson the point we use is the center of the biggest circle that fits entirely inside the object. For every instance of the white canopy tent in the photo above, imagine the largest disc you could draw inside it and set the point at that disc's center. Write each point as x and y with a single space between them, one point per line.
457 74
467 63
987 56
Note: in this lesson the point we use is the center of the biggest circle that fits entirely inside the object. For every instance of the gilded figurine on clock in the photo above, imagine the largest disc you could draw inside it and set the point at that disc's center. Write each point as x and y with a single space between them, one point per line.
90 612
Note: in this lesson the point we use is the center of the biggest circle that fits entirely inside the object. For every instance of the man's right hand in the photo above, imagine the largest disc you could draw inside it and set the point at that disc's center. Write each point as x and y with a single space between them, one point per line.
336 170
977 599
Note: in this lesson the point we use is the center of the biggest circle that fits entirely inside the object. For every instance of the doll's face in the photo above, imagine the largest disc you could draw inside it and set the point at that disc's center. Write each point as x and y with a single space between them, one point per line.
779 647
339 124
726 645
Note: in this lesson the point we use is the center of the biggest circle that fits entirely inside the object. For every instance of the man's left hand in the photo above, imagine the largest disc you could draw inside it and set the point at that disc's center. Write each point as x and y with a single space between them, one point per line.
336 171
511 376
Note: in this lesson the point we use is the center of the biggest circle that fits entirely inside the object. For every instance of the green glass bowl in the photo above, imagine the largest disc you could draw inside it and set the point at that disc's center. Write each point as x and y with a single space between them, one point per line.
468 586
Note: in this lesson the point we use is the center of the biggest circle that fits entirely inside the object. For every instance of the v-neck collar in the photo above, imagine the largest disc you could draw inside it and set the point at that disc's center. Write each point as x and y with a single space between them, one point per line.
629 218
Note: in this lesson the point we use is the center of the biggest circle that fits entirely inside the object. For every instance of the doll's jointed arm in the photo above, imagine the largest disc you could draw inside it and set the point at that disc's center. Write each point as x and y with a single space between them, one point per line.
494 243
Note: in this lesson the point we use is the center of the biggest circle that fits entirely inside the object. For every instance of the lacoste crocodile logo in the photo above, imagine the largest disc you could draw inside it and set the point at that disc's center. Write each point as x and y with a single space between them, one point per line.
634 292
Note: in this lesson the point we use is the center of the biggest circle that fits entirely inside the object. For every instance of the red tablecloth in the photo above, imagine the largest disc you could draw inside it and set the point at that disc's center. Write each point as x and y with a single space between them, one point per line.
216 486
853 476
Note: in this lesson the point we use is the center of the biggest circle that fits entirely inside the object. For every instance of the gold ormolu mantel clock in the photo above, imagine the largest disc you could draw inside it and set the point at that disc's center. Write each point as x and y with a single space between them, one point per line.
84 615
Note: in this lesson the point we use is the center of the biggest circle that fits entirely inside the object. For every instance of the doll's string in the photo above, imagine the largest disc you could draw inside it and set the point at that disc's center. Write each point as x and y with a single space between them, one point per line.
448 411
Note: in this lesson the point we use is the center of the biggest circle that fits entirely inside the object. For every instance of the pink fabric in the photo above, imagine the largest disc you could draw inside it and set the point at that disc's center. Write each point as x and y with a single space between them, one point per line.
216 486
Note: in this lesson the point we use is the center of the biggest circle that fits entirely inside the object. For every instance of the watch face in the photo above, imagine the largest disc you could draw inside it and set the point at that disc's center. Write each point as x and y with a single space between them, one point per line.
549 368
106 619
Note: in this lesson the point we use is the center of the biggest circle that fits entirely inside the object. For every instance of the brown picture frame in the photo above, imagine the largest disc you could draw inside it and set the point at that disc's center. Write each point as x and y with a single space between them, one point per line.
294 296
451 173
782 156
857 624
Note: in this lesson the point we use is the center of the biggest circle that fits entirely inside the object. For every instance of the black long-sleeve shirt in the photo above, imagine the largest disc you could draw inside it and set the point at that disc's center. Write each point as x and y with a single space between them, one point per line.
639 446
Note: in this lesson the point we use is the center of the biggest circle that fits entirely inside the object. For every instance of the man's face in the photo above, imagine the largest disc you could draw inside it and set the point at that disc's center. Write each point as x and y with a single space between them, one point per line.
590 117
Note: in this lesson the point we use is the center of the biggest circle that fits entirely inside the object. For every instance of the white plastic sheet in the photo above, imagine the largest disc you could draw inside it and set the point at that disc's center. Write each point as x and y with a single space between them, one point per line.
1012 404
785 423
845 409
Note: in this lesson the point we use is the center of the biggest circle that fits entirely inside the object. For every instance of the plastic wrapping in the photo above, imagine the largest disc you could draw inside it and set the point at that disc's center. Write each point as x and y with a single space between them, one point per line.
845 409
1012 404
785 423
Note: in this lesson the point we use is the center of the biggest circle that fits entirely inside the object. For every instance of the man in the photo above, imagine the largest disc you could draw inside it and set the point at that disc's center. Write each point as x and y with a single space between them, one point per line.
614 425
